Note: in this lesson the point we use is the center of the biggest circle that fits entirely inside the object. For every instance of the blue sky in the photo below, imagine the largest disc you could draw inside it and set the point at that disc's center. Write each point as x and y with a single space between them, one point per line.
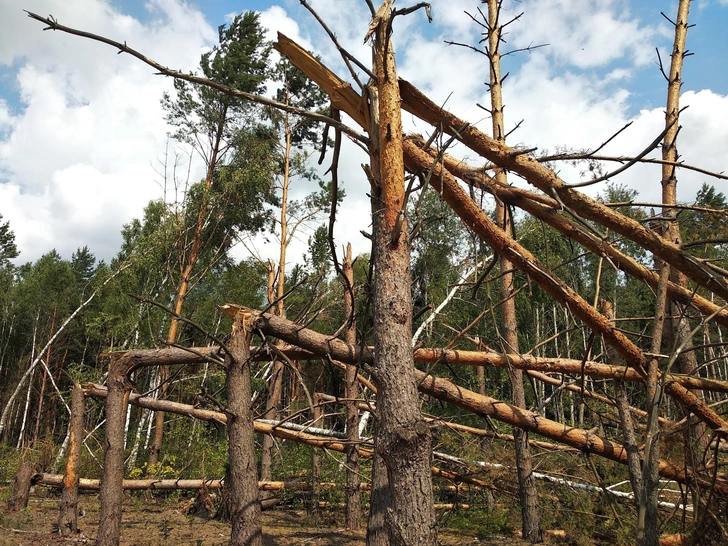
82 135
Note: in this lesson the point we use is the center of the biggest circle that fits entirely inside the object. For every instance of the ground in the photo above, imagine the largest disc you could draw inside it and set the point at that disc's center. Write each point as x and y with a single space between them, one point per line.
163 523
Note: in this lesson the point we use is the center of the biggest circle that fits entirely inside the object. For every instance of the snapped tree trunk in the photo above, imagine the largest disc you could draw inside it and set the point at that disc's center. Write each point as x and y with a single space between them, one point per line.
68 516
245 510
403 437
113 476
27 472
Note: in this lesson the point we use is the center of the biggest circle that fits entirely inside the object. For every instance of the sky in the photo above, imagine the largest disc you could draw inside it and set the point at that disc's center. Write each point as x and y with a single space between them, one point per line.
83 139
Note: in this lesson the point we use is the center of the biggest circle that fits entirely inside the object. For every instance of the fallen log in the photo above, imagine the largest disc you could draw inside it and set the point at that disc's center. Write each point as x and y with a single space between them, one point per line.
264 428
445 390
156 357
90 484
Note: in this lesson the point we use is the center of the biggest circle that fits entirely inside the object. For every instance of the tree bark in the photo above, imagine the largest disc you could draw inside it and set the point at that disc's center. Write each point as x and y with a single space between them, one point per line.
403 437
111 492
351 393
27 473
527 493
68 516
242 471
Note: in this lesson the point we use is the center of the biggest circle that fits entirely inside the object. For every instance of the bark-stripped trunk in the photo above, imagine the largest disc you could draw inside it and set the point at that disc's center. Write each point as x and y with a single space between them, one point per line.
182 289
403 437
242 471
527 493
277 280
351 393
68 516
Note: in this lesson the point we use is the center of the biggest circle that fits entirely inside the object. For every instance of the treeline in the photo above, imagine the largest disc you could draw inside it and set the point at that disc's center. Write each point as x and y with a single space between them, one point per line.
58 318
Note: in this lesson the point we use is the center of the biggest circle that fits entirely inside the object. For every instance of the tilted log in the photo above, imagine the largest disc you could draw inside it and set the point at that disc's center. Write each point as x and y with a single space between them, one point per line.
263 428
542 177
477 220
447 391
549 211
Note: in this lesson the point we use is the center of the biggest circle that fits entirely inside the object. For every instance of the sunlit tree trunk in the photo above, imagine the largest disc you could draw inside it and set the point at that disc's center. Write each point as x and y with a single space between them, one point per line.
527 493
183 287
403 437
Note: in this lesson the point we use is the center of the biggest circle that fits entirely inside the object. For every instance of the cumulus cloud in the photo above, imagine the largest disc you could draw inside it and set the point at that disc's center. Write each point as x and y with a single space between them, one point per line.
82 127
78 147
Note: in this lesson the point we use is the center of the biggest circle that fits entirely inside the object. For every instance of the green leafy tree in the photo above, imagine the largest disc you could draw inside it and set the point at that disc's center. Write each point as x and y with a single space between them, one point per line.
214 124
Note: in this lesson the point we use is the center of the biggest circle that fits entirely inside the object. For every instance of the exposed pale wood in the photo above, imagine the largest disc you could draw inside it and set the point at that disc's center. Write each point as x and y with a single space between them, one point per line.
483 405
151 357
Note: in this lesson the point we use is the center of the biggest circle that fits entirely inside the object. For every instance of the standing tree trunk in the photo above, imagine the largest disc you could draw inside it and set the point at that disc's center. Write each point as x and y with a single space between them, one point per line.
403 437
21 486
68 517
679 324
527 493
111 493
351 392
245 510
182 289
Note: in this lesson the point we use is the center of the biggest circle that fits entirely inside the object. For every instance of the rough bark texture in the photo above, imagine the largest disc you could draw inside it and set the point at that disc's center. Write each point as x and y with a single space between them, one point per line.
379 501
21 486
113 476
447 391
351 392
68 516
476 219
242 470
527 494
403 437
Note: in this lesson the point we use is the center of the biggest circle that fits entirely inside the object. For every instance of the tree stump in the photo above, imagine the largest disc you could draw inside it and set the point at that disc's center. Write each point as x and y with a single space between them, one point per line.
28 474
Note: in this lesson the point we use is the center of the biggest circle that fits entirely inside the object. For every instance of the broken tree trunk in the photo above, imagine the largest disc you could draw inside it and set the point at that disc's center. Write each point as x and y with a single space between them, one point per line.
242 473
403 437
68 516
27 474
111 492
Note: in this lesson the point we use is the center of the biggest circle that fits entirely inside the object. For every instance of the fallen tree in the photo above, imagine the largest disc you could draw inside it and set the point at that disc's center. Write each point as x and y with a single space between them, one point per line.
445 390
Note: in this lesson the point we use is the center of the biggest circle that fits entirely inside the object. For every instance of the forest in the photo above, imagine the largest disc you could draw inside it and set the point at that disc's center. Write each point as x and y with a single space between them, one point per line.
513 358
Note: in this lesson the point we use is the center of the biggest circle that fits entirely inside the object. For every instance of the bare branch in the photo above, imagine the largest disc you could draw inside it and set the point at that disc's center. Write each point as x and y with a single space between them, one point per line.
164 71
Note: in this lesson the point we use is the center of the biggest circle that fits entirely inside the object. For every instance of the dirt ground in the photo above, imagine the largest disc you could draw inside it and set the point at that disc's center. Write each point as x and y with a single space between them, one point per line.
160 523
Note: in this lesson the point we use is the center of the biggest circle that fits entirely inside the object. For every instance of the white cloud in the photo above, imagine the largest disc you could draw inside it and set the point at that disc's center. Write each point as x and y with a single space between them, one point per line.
77 161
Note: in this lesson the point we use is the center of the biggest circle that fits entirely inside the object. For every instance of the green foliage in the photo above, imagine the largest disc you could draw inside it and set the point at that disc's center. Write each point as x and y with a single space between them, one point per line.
202 114
8 249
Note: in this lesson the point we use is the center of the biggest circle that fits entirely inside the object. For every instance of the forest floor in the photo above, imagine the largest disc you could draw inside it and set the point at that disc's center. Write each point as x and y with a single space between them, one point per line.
164 523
